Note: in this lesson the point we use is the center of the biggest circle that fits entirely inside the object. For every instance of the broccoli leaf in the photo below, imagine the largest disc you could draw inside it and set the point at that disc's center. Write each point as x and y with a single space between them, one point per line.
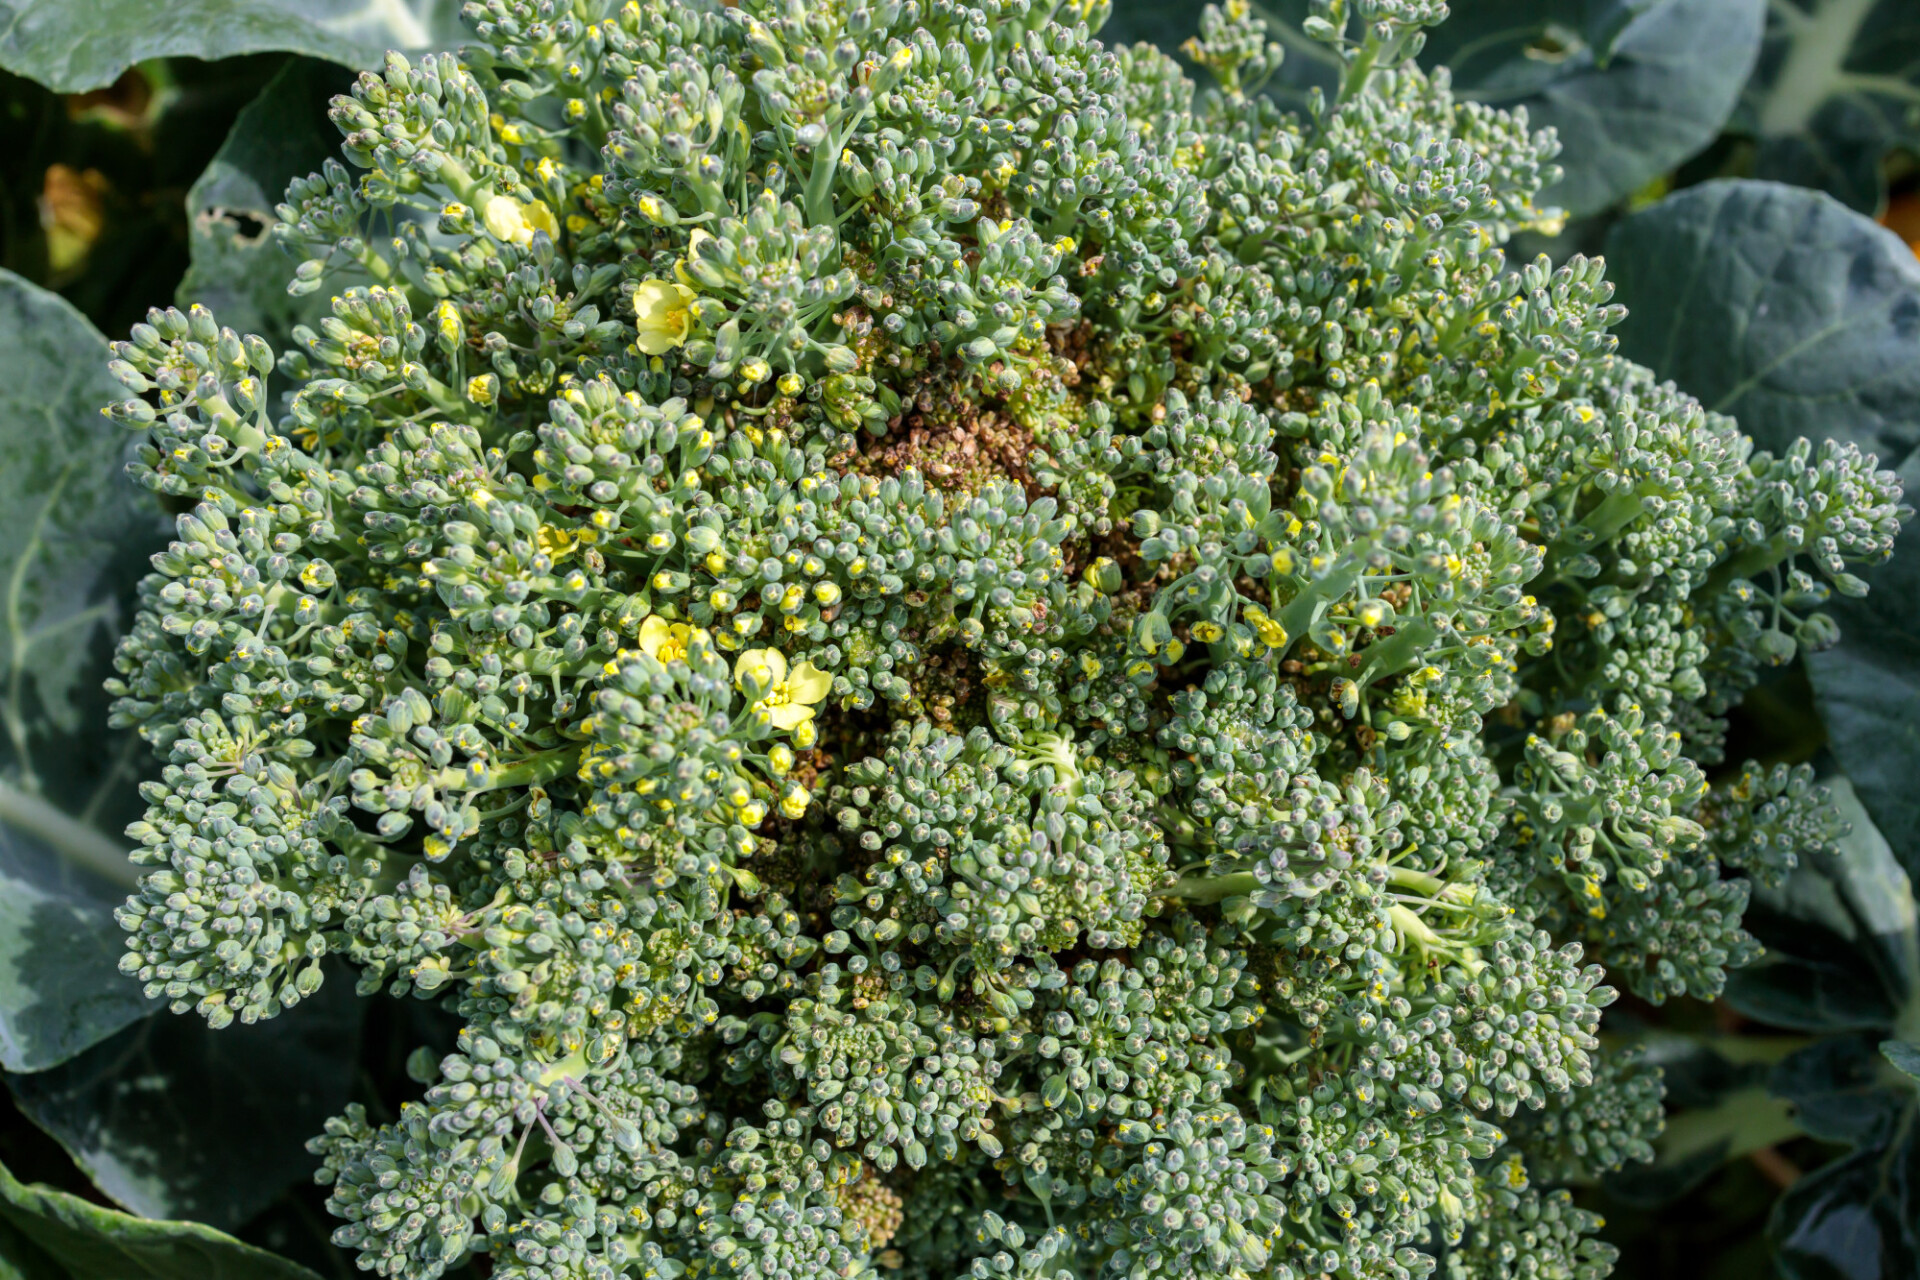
1843 958
70 1239
1868 691
174 1120
1779 306
1634 87
1838 88
1856 1216
1904 1056
71 48
73 538
1165 25
1717 1086
239 270
1843 947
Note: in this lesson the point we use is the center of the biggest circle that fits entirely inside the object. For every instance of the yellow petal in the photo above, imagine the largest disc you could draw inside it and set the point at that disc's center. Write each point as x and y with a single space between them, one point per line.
789 715
502 217
540 218
808 683
654 632
753 667
661 315
777 662
654 342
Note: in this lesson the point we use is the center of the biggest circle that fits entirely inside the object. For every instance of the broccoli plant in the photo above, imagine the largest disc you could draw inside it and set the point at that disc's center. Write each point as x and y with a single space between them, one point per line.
958 657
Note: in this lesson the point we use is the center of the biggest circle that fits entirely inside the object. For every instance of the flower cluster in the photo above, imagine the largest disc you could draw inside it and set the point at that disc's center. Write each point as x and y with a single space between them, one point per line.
886 600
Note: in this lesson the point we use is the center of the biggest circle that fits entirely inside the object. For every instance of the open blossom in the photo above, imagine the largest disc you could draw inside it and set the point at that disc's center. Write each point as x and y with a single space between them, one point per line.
666 641
663 313
513 222
785 697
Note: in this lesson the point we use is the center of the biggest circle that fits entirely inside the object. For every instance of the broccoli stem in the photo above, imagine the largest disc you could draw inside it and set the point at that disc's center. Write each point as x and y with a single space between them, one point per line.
1208 889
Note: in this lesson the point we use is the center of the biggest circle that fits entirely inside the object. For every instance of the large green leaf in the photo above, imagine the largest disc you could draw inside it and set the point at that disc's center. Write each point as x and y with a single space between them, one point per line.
1843 957
1868 689
1841 936
1839 1088
174 1120
239 269
1164 24
70 1239
1838 88
1858 1216
1633 87
75 45
60 988
74 536
1718 1104
1904 1055
1777 305
22 1259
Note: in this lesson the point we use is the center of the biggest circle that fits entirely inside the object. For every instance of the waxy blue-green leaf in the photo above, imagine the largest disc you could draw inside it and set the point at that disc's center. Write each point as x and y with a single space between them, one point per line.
71 46
74 537
1843 960
175 1120
1632 87
1837 90
1779 306
1857 1215
69 1239
1843 943
1839 1088
1904 1055
1868 690
1717 1087
239 270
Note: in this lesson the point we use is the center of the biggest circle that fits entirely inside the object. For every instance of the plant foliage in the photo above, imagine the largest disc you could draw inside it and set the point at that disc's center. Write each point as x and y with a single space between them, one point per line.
910 637
957 658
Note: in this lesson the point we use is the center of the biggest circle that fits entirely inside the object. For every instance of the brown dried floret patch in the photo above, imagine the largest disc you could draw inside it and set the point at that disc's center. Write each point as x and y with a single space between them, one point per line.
954 431
947 687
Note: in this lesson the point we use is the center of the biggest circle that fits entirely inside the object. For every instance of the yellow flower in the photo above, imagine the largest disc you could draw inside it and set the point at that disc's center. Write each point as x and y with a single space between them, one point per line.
665 641
509 220
663 312
1271 633
784 697
540 218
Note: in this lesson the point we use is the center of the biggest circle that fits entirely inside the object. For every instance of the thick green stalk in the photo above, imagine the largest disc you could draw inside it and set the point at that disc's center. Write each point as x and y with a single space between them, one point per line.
542 766
1208 889
75 841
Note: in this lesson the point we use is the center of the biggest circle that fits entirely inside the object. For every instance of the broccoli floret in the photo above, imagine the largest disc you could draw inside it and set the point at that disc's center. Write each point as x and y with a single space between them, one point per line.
957 657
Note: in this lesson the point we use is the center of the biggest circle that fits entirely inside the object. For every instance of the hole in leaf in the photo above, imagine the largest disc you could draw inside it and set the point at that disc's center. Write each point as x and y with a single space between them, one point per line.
249 228
1554 44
